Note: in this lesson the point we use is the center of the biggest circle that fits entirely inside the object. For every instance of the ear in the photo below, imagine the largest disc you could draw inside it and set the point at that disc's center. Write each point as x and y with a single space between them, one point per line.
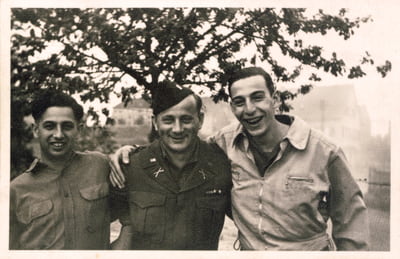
276 100
35 130
153 120
201 119
80 127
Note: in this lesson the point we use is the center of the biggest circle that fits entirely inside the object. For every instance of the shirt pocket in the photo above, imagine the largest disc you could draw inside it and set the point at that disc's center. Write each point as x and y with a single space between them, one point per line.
96 204
148 214
39 230
209 218
300 199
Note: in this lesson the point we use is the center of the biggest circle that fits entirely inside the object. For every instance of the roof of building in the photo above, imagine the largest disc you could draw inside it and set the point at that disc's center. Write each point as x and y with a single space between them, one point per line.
333 101
134 104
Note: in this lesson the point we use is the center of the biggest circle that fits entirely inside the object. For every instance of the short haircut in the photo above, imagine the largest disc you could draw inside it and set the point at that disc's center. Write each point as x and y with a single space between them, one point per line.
54 98
248 72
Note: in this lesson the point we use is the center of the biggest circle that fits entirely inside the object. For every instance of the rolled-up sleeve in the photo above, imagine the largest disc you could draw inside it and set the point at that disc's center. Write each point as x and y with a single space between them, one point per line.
346 207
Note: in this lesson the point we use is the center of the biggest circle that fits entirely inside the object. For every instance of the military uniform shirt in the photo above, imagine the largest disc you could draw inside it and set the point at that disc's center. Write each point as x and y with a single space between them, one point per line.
67 209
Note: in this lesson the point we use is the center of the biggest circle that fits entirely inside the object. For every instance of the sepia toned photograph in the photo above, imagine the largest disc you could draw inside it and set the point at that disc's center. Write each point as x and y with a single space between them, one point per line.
199 128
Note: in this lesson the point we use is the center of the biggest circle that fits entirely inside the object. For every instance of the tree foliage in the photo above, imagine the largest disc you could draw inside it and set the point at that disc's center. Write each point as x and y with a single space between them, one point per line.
95 51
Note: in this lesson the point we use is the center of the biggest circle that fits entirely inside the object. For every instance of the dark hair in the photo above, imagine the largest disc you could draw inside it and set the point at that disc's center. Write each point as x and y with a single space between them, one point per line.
49 98
248 72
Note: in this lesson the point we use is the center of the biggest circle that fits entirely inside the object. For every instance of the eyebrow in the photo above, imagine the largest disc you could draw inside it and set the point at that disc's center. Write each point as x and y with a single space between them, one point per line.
253 93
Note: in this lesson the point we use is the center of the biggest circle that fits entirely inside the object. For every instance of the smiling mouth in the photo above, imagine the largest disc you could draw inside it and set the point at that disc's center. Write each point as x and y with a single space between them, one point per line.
58 145
180 138
253 121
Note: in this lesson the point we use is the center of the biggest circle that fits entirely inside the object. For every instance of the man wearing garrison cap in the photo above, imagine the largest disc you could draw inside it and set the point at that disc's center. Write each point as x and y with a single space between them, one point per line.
178 188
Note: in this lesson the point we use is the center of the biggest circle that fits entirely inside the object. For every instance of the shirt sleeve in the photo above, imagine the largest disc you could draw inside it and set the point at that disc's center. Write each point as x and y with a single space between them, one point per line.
15 228
119 205
346 207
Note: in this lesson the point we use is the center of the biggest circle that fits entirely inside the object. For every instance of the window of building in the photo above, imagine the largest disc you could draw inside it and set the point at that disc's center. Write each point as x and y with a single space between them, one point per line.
121 122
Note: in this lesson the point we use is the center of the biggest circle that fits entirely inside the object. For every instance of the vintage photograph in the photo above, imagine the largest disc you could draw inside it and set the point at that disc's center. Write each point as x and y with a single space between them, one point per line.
201 128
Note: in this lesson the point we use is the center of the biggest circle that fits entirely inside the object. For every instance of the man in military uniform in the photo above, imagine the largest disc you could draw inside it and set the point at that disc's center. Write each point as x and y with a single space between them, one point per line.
61 201
178 188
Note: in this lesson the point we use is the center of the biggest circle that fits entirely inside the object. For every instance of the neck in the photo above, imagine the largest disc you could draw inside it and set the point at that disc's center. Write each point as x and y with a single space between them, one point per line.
56 164
272 137
180 159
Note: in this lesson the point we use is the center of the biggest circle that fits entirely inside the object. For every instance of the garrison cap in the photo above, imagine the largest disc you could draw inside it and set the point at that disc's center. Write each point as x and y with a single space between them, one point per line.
167 95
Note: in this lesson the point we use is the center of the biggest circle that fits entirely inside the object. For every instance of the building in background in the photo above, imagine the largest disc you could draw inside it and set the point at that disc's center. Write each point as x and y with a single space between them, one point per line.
132 122
334 110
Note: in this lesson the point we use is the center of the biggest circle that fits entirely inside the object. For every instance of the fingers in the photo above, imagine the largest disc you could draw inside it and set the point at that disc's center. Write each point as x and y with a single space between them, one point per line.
117 177
114 181
125 150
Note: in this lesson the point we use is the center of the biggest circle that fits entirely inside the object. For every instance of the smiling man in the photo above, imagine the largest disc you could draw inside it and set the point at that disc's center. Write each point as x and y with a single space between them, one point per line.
61 201
178 188
288 179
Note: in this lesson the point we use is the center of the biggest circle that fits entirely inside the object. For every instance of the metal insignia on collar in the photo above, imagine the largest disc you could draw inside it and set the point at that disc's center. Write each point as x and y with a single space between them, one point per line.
202 174
153 160
160 170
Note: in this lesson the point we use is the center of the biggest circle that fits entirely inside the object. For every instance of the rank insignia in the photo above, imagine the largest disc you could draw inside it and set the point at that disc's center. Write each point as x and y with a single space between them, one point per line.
202 174
156 173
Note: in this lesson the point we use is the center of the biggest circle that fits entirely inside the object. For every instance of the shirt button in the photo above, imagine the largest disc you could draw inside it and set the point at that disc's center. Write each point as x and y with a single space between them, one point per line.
66 195
90 229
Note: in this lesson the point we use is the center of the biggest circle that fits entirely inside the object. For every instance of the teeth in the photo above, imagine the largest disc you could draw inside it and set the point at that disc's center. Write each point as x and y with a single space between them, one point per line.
252 121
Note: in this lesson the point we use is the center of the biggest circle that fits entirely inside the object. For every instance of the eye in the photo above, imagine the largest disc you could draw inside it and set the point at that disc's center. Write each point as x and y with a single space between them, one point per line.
68 126
48 126
167 120
238 102
187 119
258 97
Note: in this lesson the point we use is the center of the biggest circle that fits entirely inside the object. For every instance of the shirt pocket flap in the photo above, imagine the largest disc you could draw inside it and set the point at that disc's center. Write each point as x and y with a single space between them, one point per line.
147 199
95 192
216 203
28 213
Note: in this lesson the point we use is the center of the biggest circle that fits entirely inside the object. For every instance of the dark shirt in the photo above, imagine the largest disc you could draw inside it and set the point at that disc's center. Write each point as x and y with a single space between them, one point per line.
65 209
169 214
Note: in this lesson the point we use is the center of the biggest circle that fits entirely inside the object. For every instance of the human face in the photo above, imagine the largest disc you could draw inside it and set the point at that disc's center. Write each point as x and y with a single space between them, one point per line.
253 105
56 130
179 125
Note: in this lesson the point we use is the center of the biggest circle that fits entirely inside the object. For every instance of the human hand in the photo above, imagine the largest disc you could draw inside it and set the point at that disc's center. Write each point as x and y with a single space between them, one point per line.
116 176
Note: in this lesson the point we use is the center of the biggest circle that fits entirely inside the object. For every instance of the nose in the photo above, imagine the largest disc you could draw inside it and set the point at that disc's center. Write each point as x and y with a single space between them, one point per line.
177 127
58 132
249 107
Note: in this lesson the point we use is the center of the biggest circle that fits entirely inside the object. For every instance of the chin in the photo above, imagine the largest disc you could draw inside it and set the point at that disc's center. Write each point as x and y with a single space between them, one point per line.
257 132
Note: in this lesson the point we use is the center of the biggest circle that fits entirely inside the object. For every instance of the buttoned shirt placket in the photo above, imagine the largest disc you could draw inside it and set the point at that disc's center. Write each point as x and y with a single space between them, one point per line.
68 210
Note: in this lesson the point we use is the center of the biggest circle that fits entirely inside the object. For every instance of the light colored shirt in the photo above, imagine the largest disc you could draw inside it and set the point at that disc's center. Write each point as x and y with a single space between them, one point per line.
61 209
288 208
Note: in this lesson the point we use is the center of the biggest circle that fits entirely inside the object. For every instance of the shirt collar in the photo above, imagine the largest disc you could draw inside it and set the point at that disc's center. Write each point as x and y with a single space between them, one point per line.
37 164
297 134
